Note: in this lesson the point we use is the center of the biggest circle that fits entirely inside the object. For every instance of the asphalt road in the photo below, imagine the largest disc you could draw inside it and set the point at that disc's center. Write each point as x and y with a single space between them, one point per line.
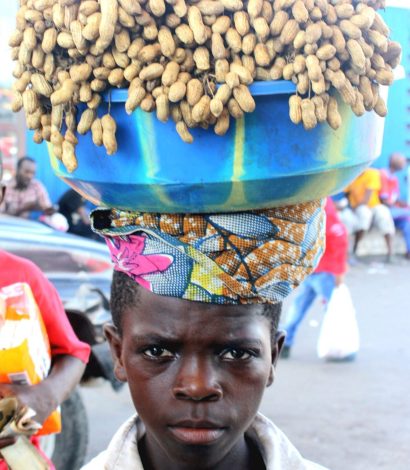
352 416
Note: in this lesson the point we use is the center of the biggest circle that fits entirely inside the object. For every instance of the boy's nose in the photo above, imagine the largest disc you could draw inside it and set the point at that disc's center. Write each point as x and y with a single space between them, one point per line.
197 380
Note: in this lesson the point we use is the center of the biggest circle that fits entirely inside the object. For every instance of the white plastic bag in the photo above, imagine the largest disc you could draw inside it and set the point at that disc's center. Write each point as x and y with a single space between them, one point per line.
339 333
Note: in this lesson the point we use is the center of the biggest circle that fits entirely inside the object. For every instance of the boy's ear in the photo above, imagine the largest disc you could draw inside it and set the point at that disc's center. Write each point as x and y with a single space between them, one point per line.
115 342
277 345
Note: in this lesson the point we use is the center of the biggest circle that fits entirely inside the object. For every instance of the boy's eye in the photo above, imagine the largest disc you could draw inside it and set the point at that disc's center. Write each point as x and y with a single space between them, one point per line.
158 352
233 354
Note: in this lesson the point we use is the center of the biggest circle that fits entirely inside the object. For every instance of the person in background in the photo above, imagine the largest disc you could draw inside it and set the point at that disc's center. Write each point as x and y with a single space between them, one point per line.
25 194
390 193
69 354
366 210
328 275
72 206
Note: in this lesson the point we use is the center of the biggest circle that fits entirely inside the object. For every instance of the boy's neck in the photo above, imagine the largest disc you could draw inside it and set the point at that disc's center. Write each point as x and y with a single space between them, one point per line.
244 456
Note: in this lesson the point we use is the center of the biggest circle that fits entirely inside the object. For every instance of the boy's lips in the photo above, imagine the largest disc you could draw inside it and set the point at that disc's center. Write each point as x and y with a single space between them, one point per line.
197 436
197 432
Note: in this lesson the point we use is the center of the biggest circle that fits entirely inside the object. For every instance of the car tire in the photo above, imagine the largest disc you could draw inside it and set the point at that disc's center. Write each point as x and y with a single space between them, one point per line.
67 450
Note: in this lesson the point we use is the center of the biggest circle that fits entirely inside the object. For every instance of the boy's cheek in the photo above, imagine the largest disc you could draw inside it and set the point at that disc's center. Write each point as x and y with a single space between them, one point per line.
255 373
142 370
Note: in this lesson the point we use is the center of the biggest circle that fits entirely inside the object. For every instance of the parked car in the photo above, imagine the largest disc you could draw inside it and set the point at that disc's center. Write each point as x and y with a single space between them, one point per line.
67 260
81 271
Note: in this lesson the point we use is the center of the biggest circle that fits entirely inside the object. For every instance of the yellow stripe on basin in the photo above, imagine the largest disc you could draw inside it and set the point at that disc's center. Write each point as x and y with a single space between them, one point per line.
238 195
53 159
334 143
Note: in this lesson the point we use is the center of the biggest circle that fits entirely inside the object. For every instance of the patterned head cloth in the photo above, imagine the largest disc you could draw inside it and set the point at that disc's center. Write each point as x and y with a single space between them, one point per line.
239 258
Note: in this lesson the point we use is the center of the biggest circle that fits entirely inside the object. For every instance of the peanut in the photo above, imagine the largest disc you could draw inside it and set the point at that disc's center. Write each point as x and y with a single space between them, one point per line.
295 109
109 128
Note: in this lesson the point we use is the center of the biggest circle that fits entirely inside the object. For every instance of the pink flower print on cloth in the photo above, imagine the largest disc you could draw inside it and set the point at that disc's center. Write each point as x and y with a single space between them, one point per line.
127 254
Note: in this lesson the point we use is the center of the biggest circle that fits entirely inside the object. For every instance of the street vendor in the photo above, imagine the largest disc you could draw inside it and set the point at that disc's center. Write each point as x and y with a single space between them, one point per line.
196 301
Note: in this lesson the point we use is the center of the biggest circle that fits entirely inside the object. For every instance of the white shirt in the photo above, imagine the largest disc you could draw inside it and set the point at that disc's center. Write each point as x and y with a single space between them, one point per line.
277 451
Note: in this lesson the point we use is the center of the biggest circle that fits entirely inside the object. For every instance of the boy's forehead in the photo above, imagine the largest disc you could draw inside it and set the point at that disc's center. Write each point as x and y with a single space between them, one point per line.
169 315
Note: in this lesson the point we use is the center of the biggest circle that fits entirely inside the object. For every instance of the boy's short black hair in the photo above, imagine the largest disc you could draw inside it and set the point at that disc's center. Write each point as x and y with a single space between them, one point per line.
125 292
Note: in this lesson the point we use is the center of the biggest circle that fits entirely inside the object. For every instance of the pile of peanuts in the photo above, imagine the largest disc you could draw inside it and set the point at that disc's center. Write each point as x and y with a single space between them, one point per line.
172 54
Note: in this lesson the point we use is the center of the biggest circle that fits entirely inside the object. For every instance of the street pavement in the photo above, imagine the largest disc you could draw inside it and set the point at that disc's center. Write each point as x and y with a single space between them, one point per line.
352 415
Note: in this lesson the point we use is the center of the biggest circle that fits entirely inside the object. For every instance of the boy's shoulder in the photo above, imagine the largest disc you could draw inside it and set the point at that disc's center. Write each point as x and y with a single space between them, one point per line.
277 450
122 451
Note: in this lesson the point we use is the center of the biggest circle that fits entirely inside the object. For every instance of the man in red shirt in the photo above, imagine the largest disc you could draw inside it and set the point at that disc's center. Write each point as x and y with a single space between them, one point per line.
69 355
328 274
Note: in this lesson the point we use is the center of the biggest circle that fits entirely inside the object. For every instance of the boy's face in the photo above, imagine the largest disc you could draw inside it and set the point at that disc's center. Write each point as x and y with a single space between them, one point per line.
196 372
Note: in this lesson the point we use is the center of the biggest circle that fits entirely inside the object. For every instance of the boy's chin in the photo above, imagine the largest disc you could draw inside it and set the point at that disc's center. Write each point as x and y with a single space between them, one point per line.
204 455
199 457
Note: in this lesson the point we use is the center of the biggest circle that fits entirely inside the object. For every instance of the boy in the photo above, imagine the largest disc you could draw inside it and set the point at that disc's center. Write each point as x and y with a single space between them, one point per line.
197 373
196 301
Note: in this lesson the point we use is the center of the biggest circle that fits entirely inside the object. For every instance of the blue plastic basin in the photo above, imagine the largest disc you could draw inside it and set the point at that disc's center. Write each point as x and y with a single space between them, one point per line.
263 161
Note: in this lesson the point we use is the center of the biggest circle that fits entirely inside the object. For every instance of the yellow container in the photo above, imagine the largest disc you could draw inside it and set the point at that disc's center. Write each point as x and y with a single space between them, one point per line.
25 356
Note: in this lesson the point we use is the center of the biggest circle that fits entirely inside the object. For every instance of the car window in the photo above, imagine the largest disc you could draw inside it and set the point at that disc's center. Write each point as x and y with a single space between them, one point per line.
52 251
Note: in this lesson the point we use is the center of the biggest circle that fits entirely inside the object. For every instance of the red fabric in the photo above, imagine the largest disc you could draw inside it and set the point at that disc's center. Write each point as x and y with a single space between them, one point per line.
60 333
334 259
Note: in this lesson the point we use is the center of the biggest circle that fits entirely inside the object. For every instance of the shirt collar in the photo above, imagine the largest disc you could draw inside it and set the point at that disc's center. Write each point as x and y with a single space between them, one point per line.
277 451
